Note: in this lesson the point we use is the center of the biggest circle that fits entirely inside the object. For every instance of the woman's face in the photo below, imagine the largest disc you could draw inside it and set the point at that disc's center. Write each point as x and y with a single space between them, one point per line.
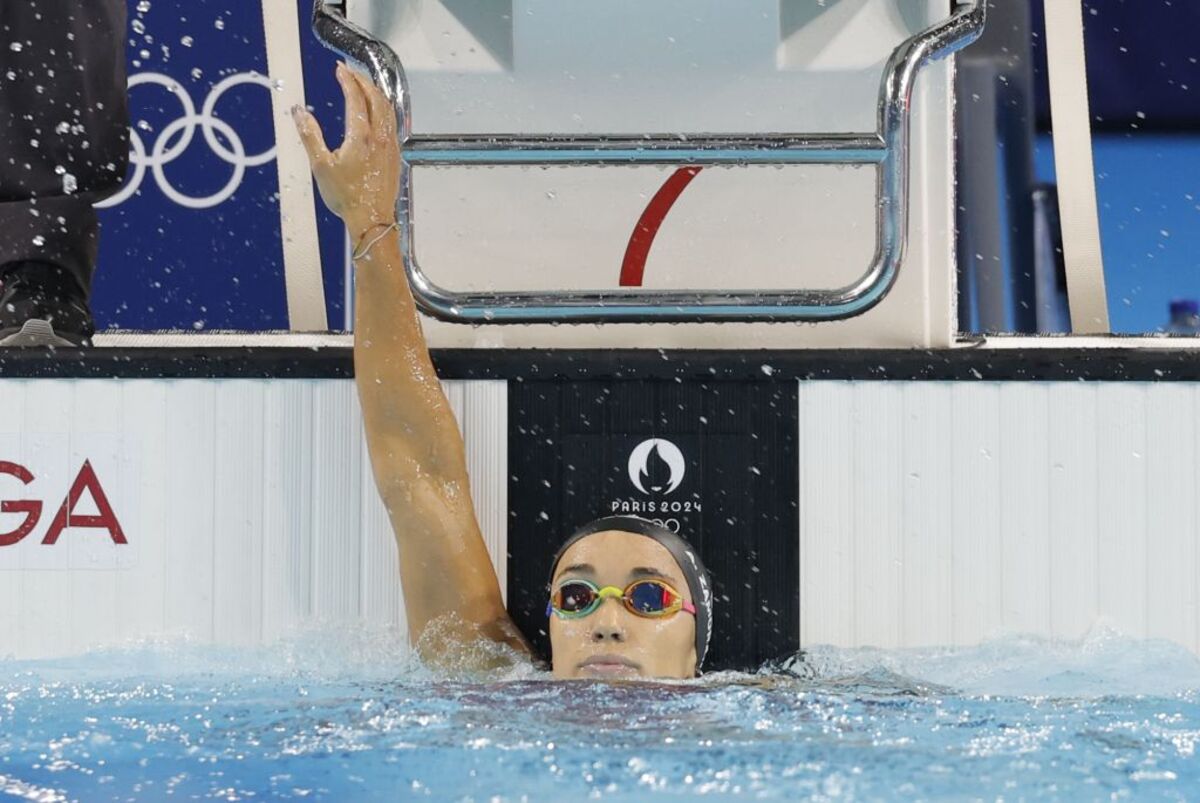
611 642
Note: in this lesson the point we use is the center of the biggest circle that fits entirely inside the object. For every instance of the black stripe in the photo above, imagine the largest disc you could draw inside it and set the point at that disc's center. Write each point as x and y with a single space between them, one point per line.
1114 364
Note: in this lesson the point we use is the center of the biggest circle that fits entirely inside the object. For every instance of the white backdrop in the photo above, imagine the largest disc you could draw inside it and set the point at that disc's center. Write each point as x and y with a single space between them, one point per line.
673 66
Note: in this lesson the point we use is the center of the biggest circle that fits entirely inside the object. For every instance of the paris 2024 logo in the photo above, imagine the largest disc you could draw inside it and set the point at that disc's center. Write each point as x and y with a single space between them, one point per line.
656 469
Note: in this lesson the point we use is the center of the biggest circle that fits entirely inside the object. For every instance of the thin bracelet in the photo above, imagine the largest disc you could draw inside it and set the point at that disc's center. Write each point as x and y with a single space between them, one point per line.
363 250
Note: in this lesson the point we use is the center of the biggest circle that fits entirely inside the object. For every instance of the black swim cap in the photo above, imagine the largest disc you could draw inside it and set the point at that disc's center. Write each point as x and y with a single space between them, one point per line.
689 562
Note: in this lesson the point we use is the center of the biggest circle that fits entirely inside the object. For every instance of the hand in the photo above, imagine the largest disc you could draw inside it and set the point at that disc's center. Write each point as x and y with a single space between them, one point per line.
360 180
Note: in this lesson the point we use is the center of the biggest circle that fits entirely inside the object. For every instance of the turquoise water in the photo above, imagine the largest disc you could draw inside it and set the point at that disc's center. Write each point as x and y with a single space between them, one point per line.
336 716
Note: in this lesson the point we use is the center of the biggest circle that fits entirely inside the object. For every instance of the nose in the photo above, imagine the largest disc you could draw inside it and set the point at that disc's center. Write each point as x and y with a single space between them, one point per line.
606 622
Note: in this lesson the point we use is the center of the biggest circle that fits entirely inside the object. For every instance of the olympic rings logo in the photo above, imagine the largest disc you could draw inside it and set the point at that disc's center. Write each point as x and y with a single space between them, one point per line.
164 152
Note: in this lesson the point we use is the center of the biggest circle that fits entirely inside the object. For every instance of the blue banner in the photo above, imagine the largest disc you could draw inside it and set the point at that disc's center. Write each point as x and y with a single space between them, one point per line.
1143 64
192 241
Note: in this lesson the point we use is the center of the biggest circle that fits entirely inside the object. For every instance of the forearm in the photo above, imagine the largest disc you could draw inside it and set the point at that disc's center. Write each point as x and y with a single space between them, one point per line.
414 443
398 388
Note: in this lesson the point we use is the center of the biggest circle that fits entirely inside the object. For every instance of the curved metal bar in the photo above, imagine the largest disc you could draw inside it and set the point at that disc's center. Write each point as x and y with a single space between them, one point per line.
888 148
653 150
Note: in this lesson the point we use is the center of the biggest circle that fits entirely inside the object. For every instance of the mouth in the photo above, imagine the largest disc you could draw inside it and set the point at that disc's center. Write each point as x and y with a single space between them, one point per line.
607 666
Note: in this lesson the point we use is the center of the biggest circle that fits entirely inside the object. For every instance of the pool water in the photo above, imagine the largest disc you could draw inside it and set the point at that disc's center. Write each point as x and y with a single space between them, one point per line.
351 716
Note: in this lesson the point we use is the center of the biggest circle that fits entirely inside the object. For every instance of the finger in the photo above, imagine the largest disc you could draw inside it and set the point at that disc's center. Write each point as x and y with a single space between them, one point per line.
383 113
358 120
310 135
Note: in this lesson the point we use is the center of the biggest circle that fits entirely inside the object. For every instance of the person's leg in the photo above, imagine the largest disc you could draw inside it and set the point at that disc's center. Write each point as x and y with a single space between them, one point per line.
64 129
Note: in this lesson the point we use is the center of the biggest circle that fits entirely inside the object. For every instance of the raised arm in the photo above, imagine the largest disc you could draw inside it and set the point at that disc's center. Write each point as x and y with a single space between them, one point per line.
416 451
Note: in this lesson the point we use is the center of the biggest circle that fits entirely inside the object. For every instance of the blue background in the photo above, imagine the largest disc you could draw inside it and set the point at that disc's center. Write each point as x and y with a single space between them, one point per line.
1144 90
163 266
1148 189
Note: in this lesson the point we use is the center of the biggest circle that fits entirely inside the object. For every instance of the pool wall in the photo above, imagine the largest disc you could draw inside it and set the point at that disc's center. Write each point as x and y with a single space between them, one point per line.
247 508
940 498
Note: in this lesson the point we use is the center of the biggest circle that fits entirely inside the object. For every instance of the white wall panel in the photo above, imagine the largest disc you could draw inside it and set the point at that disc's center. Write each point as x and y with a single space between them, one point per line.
1121 505
1171 513
249 508
238 513
334 502
975 545
877 501
1024 508
189 478
826 492
926 577
981 508
1074 510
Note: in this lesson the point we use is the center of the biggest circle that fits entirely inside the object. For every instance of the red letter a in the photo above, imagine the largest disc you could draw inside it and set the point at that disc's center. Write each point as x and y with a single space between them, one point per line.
65 518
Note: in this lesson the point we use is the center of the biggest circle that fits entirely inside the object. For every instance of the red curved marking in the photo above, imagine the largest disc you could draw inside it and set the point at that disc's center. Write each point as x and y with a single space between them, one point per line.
633 268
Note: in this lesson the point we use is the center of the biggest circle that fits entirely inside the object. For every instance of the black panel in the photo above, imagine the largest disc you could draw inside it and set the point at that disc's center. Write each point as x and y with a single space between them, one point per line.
570 449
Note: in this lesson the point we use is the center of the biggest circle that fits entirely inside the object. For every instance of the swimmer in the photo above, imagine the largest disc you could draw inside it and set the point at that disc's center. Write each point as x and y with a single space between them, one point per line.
627 597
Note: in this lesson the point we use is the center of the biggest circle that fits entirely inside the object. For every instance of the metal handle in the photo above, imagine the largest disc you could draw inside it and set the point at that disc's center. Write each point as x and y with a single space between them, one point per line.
887 148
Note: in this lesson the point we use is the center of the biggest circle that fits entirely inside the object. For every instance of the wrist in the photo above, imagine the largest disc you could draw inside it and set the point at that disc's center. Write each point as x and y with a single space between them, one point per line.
372 237
363 224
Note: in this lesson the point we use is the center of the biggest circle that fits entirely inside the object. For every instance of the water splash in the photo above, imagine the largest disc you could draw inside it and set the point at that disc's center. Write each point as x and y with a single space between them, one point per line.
337 713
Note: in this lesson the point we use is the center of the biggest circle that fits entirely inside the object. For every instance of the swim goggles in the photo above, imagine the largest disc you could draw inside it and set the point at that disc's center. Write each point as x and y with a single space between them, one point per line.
651 599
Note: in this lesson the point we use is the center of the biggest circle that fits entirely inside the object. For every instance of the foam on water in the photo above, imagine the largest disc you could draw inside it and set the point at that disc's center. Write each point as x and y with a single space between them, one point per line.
1104 663
351 715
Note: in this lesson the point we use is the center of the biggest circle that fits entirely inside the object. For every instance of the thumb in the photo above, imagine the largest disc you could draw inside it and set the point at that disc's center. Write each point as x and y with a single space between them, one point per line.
310 135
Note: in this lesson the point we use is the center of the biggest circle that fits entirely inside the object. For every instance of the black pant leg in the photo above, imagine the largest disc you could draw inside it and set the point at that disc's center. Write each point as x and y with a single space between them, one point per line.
64 128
